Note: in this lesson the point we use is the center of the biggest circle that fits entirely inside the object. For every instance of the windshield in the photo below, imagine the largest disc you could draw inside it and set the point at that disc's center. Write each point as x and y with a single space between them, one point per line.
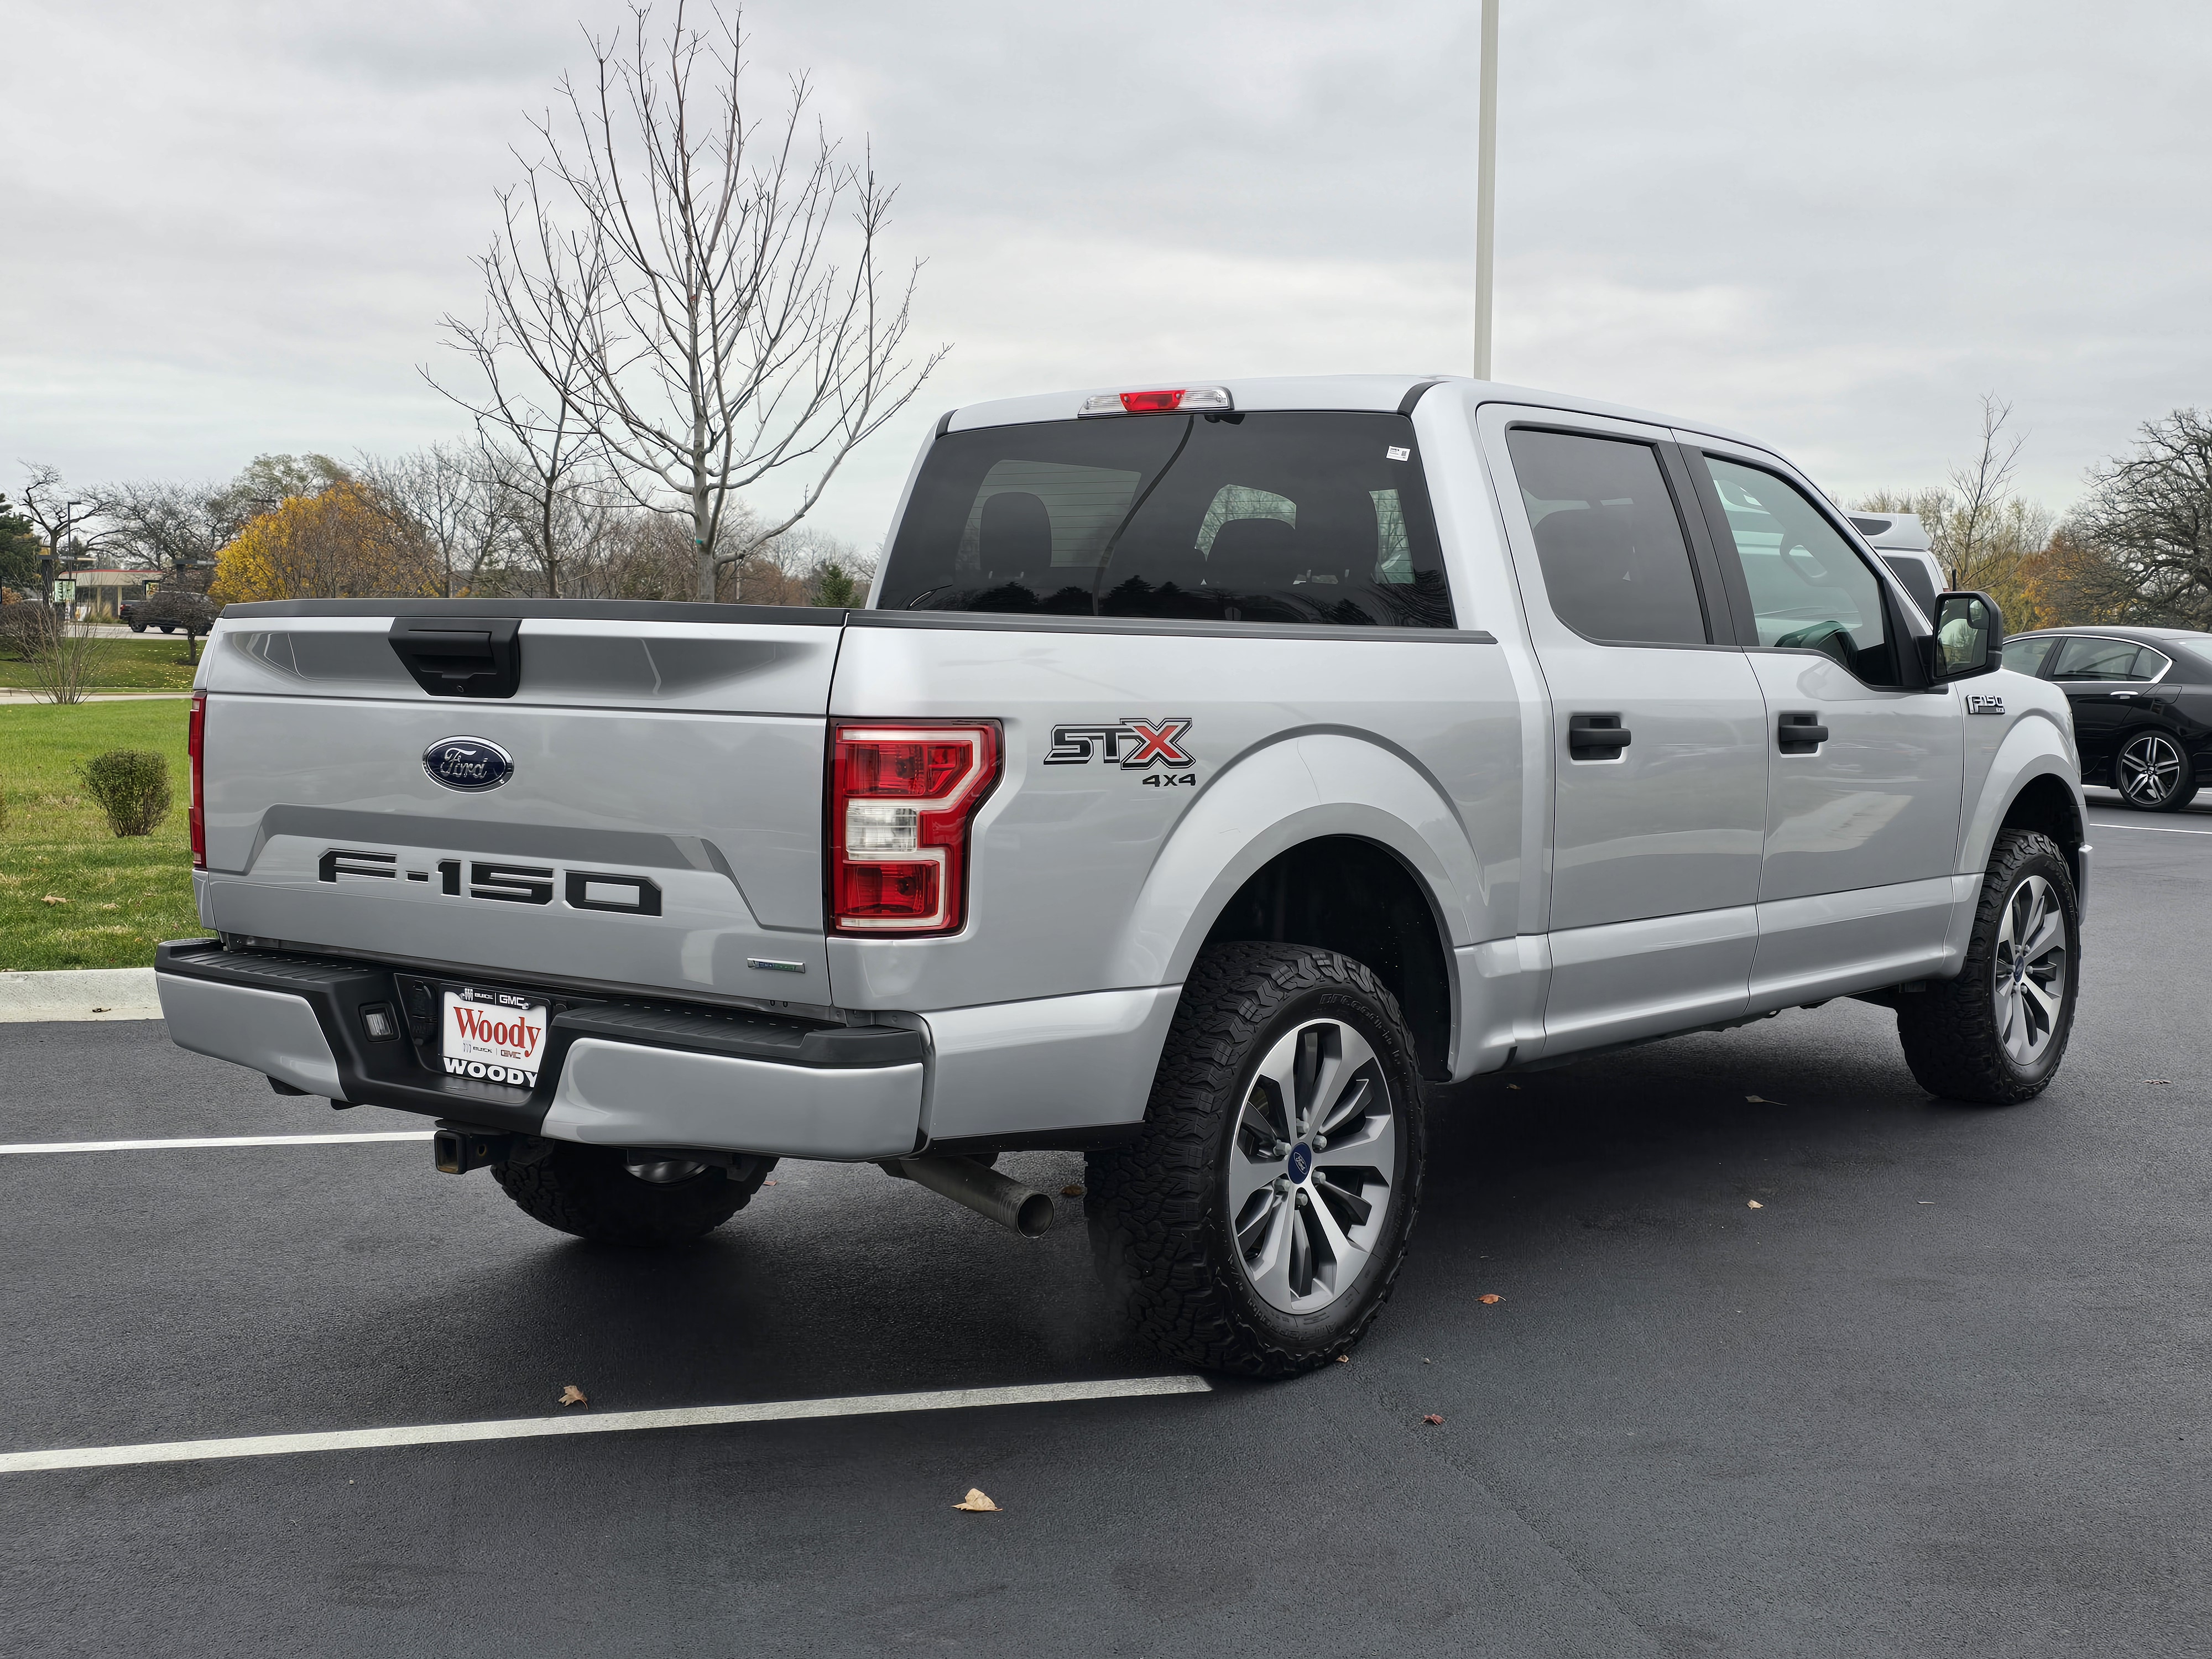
1275 517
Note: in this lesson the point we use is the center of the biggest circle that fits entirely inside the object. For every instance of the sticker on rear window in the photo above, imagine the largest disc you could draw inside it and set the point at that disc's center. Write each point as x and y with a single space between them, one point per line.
1395 453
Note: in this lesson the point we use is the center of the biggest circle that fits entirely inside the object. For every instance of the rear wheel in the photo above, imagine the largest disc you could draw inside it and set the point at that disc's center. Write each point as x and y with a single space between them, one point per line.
616 1195
2153 773
1258 1221
1996 1033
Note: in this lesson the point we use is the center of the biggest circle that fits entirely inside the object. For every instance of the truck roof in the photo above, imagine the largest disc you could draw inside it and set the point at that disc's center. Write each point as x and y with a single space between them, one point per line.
1381 392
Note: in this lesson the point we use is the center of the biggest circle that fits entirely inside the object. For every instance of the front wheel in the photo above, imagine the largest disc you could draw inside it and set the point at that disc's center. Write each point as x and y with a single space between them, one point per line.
1996 1034
137 627
1256 1224
2154 773
617 1196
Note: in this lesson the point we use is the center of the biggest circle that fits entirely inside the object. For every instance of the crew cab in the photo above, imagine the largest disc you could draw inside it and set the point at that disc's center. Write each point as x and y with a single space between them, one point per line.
1214 771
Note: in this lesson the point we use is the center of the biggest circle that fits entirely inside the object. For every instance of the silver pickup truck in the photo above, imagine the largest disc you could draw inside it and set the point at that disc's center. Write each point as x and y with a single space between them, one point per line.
1213 770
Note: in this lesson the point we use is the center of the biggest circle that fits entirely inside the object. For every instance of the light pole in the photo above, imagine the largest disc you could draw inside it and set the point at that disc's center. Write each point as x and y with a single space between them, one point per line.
1486 189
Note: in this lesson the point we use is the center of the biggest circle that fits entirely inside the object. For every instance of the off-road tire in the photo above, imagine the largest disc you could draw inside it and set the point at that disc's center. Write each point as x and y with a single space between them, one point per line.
590 1191
1949 1030
1157 1206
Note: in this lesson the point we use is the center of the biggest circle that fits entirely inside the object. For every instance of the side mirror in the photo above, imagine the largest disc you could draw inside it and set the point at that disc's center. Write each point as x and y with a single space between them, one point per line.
1969 637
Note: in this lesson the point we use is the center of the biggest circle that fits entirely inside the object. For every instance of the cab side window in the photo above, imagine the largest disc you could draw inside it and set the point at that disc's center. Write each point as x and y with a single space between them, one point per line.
1615 562
1809 590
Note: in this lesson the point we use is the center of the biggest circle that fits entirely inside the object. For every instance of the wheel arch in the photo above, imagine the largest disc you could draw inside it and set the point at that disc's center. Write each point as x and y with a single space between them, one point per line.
1393 874
2033 783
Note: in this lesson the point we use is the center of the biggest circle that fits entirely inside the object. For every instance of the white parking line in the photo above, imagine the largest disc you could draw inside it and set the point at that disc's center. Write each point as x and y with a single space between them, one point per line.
212 1140
2147 829
526 1428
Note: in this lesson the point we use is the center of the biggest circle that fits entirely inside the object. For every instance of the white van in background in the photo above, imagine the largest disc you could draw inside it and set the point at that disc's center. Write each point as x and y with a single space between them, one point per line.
1903 546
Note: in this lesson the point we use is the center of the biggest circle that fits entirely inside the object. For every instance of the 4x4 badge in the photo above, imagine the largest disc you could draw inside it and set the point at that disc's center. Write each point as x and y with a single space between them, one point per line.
1134 744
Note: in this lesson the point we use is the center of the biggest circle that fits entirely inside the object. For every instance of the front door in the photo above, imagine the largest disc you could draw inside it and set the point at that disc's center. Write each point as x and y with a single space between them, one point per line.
1864 765
1659 776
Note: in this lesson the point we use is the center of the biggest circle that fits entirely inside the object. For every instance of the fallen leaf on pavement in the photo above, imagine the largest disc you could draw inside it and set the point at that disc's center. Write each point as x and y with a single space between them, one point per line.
1074 1189
104 1008
573 1396
768 1183
978 1502
1755 1204
1490 1298
2158 1082
1432 1419
1344 1359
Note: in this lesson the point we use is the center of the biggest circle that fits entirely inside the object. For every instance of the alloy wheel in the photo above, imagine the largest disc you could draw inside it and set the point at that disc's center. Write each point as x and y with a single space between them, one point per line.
1311 1166
2031 970
2149 770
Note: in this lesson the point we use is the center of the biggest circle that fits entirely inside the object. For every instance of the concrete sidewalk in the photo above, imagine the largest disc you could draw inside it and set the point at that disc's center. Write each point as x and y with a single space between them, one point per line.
13 694
79 993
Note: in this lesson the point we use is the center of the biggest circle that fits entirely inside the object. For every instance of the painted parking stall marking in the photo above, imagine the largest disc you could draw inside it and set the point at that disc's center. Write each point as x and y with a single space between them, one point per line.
189 1142
527 1428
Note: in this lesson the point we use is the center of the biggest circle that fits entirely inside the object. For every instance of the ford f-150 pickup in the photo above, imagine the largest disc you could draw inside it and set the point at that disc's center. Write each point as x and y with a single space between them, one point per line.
1213 771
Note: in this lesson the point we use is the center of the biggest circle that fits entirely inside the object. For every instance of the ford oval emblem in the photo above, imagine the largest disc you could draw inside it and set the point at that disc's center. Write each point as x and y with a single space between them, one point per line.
468 764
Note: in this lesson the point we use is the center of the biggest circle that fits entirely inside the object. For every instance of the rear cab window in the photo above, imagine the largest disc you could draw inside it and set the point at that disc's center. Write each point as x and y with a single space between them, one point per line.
1258 517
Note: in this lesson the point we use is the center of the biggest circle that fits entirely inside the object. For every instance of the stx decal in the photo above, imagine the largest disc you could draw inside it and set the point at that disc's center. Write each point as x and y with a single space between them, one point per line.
1134 745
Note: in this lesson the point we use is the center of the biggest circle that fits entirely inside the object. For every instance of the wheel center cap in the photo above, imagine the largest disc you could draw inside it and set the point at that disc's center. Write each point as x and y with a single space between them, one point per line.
1300 1161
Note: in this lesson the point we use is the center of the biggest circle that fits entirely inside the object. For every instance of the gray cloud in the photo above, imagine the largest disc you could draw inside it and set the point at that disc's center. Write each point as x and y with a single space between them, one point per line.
234 226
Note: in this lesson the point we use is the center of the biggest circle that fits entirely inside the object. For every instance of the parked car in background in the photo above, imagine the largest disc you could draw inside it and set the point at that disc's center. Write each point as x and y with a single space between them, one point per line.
1904 545
2142 705
171 611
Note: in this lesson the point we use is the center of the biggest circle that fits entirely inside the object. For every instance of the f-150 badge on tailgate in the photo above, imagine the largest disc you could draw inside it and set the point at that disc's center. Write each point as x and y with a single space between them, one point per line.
468 764
1134 744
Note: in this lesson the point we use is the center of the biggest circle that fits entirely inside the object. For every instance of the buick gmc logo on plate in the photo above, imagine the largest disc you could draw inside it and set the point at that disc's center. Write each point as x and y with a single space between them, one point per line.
468 764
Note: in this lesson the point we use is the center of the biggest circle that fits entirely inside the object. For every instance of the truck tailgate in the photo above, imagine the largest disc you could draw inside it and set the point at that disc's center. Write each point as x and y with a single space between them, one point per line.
659 827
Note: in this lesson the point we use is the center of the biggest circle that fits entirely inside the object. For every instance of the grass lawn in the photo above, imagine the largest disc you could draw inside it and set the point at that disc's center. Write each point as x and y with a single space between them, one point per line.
120 896
155 663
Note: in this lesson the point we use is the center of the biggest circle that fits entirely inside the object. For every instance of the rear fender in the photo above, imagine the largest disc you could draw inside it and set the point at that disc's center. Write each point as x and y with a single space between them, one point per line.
1298 789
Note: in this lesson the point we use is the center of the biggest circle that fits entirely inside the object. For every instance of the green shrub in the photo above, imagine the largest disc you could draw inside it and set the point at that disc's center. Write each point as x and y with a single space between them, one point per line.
132 787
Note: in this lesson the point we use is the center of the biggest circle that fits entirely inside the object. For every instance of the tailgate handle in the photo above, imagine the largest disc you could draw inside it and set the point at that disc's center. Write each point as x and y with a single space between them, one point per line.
460 657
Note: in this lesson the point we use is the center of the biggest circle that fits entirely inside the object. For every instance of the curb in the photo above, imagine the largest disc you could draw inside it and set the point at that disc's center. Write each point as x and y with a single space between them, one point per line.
79 993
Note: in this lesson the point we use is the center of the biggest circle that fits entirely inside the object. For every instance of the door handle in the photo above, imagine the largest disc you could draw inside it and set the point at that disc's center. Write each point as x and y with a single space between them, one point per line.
1800 734
1595 737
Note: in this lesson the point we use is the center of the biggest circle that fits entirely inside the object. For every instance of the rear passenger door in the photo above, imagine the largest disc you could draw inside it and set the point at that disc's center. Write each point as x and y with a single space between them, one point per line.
1865 762
1659 771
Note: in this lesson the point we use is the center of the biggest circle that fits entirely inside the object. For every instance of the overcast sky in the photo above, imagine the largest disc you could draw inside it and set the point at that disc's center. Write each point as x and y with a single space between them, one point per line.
233 228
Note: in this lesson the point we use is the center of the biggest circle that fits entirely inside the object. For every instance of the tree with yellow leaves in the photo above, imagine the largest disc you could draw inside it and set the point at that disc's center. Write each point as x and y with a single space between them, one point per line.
337 544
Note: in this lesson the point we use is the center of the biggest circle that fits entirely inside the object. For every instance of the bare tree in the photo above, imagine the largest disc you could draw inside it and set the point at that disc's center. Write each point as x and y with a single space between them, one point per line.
69 523
1979 494
667 272
451 495
2144 535
173 529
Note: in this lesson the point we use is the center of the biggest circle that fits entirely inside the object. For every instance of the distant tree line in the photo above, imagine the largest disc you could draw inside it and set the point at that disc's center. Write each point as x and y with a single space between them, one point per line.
2136 548
451 520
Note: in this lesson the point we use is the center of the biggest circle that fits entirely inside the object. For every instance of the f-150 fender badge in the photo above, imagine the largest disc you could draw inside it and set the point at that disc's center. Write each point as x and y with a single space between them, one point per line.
1984 702
1132 744
471 765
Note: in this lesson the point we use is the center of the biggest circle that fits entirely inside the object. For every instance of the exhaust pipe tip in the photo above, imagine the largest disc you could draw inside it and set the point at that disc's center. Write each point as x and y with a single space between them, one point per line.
1033 1217
981 1189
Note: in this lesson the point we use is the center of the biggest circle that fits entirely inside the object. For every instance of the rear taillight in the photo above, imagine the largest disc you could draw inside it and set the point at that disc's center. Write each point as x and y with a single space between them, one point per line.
903 799
196 747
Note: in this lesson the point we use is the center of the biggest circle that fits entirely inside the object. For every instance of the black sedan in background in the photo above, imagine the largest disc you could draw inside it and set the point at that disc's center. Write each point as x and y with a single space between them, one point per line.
2142 705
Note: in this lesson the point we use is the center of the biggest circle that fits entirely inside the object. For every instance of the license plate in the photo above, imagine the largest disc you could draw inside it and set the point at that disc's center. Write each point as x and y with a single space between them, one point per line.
497 1035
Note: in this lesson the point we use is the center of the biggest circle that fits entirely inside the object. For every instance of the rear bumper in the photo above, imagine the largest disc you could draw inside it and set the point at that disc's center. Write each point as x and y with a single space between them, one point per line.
614 1073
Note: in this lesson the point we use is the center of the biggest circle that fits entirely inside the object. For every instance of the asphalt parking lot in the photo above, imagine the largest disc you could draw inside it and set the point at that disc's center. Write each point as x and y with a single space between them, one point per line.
1944 1392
